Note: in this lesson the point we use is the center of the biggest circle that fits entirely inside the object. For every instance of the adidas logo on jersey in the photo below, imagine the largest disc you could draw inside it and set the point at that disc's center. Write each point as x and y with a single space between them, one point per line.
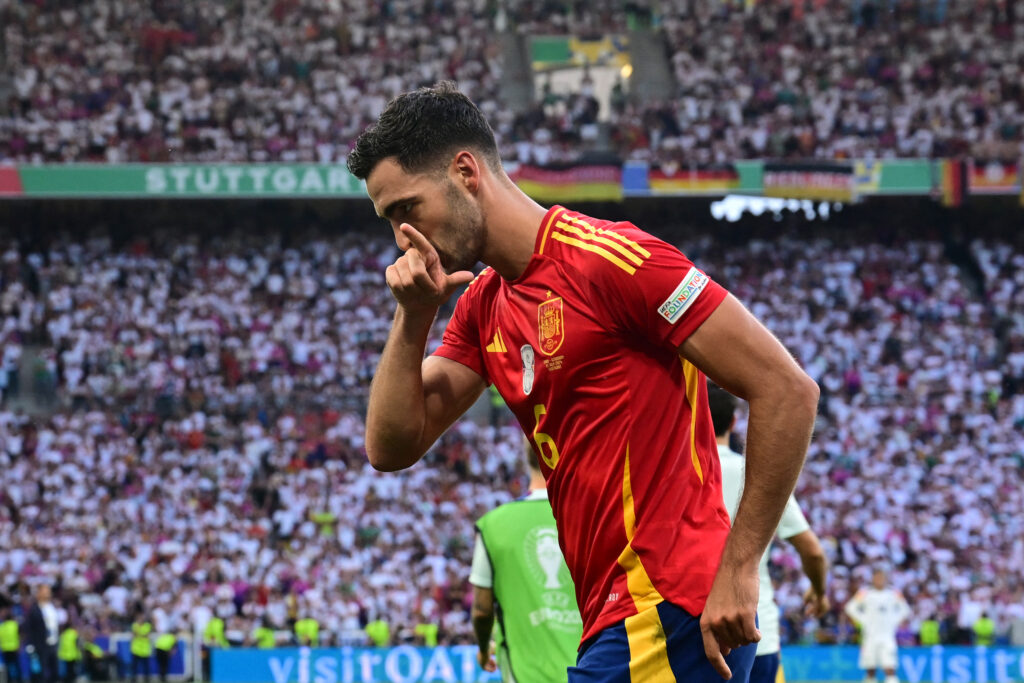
498 344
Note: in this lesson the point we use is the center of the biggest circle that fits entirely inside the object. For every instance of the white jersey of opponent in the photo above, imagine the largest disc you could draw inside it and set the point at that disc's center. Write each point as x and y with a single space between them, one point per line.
791 524
879 612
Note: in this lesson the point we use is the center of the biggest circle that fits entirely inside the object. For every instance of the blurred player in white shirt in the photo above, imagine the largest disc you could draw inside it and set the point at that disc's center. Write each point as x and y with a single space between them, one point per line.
878 611
793 527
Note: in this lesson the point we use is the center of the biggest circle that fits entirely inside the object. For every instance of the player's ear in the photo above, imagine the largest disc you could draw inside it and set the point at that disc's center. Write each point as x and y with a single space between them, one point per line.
467 170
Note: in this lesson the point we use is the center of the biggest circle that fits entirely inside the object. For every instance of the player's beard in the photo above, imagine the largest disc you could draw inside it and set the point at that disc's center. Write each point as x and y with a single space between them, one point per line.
463 240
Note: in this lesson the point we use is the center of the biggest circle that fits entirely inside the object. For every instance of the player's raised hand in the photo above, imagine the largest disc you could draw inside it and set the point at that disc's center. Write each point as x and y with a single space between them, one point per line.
417 279
729 619
816 605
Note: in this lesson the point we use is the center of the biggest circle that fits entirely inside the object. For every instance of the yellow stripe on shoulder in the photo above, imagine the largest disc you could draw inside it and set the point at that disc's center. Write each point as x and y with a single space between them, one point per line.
547 228
595 237
593 248
611 233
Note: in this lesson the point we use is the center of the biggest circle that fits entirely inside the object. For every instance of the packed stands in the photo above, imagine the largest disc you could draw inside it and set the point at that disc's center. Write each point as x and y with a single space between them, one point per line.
291 80
297 80
204 450
841 80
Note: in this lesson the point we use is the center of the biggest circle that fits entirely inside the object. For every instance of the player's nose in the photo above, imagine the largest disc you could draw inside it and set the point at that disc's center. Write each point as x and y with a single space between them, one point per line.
403 242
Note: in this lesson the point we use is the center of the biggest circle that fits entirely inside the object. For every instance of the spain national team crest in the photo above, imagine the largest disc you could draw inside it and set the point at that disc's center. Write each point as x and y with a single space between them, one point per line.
550 325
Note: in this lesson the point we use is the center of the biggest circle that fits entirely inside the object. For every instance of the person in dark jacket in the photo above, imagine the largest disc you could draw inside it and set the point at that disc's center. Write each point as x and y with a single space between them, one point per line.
42 631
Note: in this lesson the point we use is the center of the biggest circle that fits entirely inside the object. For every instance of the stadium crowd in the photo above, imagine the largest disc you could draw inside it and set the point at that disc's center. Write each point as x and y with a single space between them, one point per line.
290 80
840 80
296 80
203 450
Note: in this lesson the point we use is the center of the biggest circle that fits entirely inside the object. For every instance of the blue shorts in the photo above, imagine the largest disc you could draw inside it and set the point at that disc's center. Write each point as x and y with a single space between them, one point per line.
766 668
662 644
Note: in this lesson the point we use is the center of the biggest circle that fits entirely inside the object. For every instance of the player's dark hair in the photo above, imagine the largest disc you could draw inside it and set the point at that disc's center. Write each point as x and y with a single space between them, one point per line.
422 129
530 455
723 408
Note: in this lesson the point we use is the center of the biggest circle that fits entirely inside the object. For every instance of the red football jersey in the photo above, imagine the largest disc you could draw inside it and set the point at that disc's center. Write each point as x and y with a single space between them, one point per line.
583 347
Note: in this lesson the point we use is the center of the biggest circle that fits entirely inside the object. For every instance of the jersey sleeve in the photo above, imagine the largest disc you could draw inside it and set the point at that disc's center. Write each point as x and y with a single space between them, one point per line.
793 521
481 574
654 290
460 341
733 472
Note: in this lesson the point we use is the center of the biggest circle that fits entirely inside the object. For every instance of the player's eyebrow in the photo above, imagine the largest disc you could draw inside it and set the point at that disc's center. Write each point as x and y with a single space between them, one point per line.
386 213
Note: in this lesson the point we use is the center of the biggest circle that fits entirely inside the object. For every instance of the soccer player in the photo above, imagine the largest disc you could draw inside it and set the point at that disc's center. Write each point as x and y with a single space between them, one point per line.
878 611
597 335
519 575
793 527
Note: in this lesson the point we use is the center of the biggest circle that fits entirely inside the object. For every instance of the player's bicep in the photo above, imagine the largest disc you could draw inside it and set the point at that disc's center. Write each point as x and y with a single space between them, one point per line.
740 355
449 389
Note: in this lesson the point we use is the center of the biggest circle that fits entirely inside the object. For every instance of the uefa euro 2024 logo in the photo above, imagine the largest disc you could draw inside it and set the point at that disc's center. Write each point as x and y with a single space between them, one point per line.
544 556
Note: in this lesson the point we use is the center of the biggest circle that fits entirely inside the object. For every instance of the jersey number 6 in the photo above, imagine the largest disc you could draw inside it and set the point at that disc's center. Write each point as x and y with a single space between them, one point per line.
546 447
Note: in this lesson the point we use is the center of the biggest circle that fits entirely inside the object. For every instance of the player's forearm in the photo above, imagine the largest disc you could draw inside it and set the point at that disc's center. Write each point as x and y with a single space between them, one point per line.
815 566
396 412
778 433
483 624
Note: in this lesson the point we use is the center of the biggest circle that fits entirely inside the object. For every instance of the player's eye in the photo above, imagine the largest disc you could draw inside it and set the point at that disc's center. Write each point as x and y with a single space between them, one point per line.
407 207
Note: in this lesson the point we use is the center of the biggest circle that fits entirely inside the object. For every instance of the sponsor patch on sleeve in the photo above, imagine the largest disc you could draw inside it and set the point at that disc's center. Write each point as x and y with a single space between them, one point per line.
684 296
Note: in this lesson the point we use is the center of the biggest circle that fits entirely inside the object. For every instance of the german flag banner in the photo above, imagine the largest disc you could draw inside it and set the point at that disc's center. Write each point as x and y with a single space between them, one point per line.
952 181
670 179
994 177
10 182
571 183
820 181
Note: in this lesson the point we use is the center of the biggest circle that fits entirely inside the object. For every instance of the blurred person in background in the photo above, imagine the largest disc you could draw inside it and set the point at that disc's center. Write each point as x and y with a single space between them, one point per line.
42 632
878 610
307 631
163 648
379 632
931 631
214 637
264 635
10 645
98 664
141 647
69 652
519 575
984 630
